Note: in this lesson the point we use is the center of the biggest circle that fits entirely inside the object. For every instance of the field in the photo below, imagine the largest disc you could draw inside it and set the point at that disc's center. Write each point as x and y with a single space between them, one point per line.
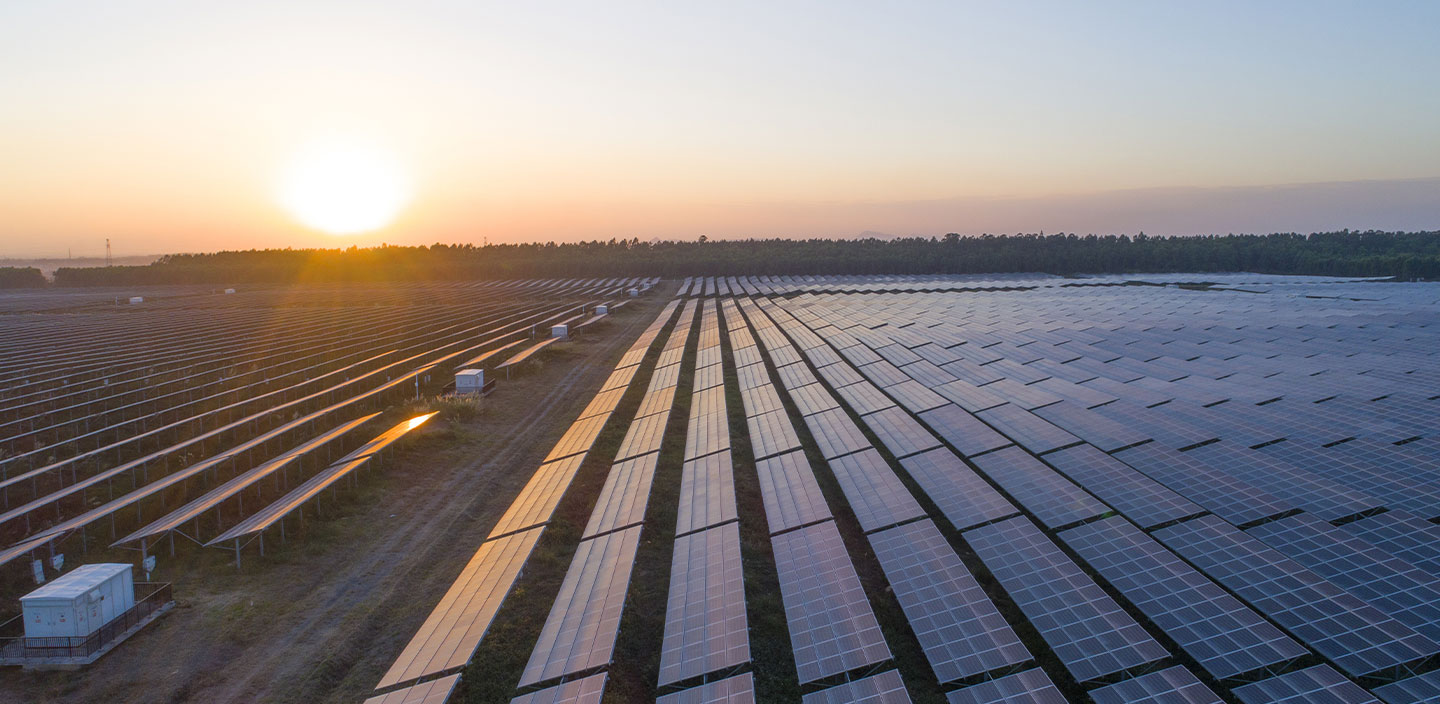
336 583
907 488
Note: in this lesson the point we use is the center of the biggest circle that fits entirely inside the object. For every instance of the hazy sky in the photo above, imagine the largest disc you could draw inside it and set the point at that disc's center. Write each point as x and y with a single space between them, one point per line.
167 126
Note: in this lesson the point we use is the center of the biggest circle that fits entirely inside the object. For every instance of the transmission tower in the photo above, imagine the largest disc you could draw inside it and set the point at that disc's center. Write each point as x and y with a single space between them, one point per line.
109 261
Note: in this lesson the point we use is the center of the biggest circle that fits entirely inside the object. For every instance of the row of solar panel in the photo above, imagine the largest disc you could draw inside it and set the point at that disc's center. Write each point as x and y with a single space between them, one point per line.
453 630
1087 462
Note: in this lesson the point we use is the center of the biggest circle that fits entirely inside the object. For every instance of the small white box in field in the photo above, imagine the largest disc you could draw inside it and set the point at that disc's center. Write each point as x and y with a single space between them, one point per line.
229 290
602 310
137 299
79 603
634 292
469 381
560 331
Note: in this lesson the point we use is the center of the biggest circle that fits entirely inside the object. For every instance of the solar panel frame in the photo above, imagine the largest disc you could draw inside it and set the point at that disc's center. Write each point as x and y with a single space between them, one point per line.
832 628
1351 634
453 630
580 631
1026 687
1087 631
1222 634
1172 685
1320 683
707 493
737 689
706 629
771 434
960 630
791 495
901 434
875 494
885 688
587 690
1053 499
624 497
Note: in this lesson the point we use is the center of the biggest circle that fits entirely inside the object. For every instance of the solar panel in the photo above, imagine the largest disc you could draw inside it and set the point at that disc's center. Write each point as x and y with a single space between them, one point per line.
1422 689
794 376
832 628
752 376
792 496
840 374
1313 684
900 433
739 689
578 438
1173 685
707 493
1140 498
961 495
959 628
1355 636
771 433
453 630
710 377
971 397
884 688
876 495
835 433
537 501
645 435
603 403
432 692
1400 589
1027 429
761 399
1234 500
916 397
1092 427
1028 687
1090 634
812 398
1395 488
1223 635
665 377
589 690
657 401
883 373
707 434
864 397
1055 500
1402 534
705 625
623 499
1315 494
963 431
745 354
1017 393
580 632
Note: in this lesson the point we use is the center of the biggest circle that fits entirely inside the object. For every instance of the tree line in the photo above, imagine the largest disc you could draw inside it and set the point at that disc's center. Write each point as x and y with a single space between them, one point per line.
1407 255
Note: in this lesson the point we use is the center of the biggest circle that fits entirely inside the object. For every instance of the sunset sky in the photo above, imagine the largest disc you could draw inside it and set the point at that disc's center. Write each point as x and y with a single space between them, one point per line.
175 126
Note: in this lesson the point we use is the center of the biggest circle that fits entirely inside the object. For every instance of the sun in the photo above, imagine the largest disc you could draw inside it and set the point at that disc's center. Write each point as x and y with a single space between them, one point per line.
344 187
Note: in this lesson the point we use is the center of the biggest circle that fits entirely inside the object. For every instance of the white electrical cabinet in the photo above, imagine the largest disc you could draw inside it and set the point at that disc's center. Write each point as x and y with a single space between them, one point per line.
79 603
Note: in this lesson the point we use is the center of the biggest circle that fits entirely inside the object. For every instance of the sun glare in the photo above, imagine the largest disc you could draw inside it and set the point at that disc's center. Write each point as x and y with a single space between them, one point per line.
344 187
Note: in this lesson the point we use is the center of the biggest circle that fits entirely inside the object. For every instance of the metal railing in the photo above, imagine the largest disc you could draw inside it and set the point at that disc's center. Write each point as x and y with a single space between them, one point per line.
83 646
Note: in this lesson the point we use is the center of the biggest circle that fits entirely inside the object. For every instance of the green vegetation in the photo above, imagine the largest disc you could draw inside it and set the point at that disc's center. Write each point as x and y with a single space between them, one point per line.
21 277
1404 254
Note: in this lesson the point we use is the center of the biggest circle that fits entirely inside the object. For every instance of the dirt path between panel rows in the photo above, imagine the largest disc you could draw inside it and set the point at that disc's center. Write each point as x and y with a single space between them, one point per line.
320 619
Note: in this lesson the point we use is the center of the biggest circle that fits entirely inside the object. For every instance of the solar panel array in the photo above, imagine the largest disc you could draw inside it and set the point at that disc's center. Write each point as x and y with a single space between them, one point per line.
1247 479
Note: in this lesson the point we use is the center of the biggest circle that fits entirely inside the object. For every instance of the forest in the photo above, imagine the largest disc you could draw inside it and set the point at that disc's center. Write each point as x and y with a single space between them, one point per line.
1406 255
